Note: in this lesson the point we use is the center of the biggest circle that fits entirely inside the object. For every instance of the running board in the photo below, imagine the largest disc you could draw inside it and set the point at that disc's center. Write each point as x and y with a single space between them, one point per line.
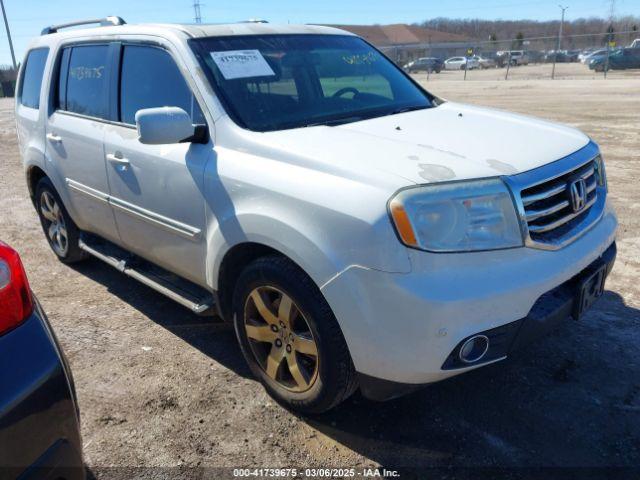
186 293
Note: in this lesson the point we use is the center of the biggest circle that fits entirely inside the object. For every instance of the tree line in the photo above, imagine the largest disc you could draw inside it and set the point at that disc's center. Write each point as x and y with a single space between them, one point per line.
500 31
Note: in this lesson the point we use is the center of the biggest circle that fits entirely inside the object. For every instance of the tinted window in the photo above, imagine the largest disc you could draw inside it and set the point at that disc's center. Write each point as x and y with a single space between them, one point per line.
274 82
32 78
87 81
150 78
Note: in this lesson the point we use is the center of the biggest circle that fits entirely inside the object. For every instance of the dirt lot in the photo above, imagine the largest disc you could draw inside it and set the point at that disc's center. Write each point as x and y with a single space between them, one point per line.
159 387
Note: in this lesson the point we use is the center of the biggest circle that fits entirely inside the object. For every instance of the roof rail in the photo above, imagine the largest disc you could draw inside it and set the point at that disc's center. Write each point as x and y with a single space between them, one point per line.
254 20
104 22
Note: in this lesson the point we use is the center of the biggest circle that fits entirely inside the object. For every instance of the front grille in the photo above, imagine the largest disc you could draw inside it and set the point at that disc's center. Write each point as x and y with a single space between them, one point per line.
548 209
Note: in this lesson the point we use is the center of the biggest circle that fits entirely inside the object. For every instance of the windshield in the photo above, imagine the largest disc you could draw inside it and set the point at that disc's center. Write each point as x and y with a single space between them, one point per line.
275 82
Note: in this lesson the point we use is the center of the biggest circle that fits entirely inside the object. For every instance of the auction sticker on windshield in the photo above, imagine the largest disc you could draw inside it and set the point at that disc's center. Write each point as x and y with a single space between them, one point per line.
242 64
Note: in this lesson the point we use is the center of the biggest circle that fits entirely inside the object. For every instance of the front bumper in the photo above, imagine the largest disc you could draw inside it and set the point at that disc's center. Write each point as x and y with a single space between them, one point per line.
402 327
39 424
550 310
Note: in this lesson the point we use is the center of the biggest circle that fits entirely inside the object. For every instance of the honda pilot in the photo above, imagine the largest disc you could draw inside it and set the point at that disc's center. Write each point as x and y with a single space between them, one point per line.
358 230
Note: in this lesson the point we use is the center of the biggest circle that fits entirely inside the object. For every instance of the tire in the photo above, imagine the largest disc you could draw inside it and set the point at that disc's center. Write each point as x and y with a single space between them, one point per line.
331 377
59 229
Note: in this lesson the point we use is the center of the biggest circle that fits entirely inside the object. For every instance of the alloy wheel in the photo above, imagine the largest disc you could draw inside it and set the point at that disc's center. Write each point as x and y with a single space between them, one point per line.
54 223
281 339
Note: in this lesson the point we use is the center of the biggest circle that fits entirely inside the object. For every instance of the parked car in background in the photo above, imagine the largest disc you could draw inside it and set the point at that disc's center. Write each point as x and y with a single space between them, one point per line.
585 53
573 55
498 60
458 63
519 57
587 57
39 421
516 57
485 62
559 56
536 56
425 64
622 59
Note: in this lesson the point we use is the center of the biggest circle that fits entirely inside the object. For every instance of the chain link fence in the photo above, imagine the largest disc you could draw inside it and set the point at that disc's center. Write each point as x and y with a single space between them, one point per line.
572 56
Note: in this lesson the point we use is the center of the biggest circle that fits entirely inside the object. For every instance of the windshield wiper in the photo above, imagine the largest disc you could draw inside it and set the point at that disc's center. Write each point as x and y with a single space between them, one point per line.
335 121
407 109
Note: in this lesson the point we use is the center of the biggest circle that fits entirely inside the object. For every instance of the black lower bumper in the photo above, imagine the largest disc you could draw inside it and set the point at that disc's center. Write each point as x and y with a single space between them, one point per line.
551 309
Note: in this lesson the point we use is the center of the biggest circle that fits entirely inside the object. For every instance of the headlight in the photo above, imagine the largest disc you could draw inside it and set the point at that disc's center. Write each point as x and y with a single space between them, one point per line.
457 217
601 174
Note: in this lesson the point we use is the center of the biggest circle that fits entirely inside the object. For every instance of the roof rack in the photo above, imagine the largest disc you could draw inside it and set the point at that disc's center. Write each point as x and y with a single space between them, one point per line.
104 22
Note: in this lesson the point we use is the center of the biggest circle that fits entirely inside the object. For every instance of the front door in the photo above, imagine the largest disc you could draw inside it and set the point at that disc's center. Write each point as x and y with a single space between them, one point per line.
157 190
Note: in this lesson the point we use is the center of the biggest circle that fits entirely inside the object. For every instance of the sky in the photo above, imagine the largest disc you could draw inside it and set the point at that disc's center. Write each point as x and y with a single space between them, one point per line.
28 17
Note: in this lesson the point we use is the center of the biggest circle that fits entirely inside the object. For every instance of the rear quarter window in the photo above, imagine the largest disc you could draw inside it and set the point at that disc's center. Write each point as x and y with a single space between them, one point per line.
31 81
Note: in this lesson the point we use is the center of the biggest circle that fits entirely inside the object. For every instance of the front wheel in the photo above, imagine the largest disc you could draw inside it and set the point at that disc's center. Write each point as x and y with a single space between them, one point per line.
61 232
290 337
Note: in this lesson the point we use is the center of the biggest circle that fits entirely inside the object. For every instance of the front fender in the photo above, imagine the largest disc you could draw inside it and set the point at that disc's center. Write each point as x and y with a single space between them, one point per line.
322 221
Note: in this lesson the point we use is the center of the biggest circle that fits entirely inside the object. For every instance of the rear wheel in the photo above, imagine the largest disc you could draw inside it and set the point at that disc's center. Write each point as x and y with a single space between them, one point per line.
290 338
60 230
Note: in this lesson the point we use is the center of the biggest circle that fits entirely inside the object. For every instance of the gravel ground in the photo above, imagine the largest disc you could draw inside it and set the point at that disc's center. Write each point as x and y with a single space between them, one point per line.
160 387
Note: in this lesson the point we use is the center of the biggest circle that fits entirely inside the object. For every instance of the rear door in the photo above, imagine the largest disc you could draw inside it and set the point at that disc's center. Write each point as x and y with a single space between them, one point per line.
75 134
157 190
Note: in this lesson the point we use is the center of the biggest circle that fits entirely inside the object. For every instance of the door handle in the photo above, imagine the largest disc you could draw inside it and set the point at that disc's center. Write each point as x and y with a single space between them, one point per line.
53 138
118 160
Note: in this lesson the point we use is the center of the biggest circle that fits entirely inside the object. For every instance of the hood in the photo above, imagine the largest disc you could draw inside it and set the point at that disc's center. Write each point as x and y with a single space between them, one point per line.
448 142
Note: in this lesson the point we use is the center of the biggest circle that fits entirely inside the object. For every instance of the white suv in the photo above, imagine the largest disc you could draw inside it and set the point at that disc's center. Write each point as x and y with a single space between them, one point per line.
296 182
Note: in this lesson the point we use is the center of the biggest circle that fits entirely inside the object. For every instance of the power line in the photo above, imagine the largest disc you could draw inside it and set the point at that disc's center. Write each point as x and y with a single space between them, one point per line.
196 11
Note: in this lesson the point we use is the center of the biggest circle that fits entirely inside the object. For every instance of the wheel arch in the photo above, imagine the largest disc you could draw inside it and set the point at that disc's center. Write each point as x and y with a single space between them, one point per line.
234 261
34 174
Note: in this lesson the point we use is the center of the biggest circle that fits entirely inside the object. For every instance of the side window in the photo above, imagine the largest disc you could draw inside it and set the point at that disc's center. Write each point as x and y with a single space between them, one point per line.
31 82
150 78
86 81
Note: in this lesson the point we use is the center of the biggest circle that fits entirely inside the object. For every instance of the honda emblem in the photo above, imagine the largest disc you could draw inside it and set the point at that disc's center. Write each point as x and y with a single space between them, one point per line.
578 194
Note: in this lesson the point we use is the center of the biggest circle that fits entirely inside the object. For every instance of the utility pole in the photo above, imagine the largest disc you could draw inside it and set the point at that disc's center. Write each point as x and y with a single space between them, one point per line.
196 11
6 25
610 31
555 56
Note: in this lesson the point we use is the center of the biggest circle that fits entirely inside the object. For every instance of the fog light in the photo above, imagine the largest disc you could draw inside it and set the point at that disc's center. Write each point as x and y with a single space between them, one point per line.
474 349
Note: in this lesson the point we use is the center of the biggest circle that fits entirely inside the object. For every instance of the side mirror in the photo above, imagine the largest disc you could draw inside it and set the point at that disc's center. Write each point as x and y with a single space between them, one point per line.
164 125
